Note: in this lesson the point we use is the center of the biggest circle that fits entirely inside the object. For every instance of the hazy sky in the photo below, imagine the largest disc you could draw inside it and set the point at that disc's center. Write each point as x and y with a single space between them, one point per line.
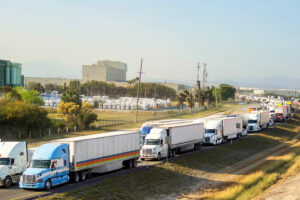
237 39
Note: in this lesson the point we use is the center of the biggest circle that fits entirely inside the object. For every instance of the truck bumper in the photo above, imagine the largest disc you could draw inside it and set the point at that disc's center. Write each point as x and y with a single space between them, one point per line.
2 183
148 156
31 186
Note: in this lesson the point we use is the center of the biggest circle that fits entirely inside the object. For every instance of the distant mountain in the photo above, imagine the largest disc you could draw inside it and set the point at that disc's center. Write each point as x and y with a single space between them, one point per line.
273 82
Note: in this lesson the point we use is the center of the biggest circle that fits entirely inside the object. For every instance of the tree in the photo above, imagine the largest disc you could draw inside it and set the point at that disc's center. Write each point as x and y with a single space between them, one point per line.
181 99
71 96
227 91
36 86
74 115
189 98
23 117
69 111
86 116
31 97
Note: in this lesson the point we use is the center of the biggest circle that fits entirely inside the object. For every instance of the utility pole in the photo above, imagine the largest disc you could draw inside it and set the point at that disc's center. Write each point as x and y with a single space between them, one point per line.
204 75
199 86
138 92
216 96
220 94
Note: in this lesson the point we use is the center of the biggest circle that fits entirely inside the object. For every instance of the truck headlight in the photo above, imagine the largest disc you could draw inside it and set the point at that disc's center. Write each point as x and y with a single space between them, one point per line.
39 180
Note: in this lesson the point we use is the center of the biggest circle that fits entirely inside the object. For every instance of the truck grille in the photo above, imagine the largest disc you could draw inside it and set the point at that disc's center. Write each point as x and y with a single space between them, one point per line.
30 179
250 128
147 151
207 139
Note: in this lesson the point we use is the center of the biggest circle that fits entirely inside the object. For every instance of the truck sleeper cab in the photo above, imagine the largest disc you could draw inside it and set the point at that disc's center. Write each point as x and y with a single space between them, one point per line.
13 162
49 167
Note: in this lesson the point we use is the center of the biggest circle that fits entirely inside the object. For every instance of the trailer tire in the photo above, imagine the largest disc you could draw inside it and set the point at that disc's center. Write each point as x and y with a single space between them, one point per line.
142 158
7 182
158 156
173 153
76 177
129 164
48 185
82 176
134 163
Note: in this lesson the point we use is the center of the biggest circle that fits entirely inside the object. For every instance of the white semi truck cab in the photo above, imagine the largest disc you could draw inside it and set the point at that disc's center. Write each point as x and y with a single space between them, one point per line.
213 132
155 146
253 122
14 159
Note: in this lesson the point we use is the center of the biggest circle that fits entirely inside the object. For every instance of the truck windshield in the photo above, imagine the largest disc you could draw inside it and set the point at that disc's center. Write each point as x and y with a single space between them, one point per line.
4 161
40 164
210 130
153 142
252 121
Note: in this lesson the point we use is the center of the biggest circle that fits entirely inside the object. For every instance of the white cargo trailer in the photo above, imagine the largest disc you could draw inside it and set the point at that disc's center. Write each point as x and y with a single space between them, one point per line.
74 158
220 130
103 152
167 140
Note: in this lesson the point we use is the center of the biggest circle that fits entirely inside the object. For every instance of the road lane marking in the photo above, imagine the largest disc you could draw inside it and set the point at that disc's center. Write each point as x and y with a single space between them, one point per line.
21 197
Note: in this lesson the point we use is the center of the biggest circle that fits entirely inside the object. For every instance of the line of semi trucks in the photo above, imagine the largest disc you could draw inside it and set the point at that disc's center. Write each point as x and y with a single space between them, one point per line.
75 159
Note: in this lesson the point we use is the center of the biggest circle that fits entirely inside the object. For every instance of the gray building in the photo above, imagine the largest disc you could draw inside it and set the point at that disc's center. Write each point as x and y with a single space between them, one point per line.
105 71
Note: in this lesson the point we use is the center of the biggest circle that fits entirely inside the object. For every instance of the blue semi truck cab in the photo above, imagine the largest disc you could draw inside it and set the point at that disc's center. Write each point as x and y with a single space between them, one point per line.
49 167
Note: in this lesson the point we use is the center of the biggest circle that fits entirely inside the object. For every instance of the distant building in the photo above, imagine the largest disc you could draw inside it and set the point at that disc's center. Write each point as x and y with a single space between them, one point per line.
11 73
105 71
45 81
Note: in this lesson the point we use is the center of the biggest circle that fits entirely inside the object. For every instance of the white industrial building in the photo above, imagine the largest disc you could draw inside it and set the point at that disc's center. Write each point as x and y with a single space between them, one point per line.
105 71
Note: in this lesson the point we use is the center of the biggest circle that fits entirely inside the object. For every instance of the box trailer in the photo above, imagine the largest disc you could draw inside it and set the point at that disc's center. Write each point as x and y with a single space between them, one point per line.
76 158
167 140
220 130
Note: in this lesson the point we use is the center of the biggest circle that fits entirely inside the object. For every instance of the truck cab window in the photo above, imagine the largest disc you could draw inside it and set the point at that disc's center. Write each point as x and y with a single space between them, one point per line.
4 161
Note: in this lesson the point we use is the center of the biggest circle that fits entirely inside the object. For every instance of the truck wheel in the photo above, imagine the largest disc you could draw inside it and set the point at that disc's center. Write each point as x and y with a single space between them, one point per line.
129 164
134 163
76 178
215 143
142 158
7 182
172 153
48 185
158 156
83 176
